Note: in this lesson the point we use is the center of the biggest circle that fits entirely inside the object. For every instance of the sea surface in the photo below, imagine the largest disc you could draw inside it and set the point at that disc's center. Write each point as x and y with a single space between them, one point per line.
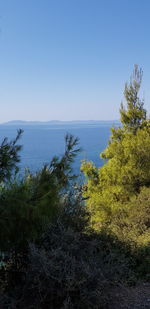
42 142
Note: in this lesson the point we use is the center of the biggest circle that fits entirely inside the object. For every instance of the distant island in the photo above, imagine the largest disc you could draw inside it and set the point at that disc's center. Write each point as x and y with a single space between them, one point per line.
60 122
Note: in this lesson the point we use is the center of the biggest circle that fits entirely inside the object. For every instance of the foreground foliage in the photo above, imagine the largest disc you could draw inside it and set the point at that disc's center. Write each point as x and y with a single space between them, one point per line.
64 245
70 267
28 204
9 157
118 194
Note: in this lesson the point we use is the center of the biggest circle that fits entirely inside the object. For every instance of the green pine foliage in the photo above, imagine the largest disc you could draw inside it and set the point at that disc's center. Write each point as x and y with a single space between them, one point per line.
9 157
132 118
114 190
29 204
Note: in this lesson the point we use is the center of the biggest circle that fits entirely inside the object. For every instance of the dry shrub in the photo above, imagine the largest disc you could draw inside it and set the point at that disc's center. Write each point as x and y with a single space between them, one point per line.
69 269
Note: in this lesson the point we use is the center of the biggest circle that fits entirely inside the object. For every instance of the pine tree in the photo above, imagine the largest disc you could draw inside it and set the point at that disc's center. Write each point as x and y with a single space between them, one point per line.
127 161
27 205
9 157
133 117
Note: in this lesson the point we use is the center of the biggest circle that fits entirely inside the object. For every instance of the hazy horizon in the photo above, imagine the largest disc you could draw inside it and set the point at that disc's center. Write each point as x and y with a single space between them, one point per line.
56 120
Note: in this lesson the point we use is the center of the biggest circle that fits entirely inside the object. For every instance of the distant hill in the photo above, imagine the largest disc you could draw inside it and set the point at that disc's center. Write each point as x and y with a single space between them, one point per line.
23 122
59 122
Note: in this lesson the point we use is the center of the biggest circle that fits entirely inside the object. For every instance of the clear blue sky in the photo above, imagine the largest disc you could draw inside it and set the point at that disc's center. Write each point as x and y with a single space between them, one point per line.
69 59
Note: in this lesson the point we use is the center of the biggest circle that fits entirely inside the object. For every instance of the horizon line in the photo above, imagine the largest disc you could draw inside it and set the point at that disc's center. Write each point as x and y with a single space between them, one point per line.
48 121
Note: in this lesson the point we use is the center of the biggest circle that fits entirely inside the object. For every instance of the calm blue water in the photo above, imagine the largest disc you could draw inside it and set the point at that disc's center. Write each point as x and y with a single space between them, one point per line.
42 142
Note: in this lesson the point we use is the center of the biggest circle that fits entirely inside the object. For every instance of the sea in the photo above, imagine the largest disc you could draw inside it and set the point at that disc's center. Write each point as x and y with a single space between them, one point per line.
42 141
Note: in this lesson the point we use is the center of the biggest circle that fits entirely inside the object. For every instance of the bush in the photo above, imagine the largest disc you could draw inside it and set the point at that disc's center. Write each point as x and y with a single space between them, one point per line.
69 268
